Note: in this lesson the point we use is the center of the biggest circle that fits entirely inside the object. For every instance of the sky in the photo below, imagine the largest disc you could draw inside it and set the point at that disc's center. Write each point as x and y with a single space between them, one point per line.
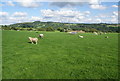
91 11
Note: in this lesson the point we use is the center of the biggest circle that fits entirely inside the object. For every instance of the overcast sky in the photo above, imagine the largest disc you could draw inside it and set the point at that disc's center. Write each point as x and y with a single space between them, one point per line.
91 11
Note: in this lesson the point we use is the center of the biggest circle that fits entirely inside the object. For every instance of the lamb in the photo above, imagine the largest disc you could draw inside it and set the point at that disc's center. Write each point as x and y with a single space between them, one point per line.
33 40
41 35
80 36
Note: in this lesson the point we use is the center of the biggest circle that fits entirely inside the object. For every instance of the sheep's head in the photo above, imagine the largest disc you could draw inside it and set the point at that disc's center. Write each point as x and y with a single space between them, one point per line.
29 37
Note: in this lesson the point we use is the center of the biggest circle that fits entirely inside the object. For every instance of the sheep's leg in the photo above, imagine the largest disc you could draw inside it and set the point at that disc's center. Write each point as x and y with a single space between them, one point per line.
31 41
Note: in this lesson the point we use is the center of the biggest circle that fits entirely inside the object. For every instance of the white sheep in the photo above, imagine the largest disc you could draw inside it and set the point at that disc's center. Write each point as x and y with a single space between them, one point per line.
69 32
106 37
41 35
95 33
33 40
80 36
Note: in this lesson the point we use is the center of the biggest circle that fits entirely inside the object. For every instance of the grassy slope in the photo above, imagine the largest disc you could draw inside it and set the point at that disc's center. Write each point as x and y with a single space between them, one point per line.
59 56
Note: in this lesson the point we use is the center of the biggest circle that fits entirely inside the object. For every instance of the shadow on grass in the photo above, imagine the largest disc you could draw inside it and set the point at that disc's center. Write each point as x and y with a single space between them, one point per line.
29 42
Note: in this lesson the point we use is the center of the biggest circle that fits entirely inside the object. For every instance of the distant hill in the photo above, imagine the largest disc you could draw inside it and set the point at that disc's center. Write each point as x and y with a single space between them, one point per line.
104 27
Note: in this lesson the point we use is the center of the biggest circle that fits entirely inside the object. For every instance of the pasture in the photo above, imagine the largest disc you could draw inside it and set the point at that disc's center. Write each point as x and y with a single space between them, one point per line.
59 56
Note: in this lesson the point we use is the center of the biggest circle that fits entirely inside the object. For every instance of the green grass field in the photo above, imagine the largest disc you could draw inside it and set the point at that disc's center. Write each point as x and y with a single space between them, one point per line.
59 56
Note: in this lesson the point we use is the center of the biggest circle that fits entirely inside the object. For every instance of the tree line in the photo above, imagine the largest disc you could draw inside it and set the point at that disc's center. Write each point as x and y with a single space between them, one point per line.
62 27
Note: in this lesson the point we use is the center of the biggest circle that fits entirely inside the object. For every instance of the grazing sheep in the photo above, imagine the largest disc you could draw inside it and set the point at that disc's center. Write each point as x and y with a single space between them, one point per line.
100 33
106 37
80 36
69 32
41 35
95 33
33 40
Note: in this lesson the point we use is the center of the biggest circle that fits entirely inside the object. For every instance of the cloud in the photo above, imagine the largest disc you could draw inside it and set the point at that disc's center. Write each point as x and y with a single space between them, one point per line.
72 16
64 15
114 17
74 3
13 20
60 13
115 6
10 3
100 7
19 14
107 15
17 17
4 14
87 12
94 4
1 4
65 4
92 20
3 17
115 13
114 20
34 18
98 20
28 3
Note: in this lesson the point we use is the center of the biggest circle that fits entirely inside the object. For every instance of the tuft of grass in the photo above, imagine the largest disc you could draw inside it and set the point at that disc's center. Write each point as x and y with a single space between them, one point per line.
59 56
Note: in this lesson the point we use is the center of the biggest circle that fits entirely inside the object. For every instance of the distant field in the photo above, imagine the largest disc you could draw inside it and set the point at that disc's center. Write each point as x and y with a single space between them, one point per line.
59 56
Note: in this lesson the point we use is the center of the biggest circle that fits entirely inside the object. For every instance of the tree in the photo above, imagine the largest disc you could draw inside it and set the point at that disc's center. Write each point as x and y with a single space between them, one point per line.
93 30
60 29
29 29
50 29
41 29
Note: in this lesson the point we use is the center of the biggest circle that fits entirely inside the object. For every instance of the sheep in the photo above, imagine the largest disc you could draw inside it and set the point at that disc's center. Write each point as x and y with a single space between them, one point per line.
33 40
100 33
69 32
106 37
41 35
95 33
105 33
80 36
